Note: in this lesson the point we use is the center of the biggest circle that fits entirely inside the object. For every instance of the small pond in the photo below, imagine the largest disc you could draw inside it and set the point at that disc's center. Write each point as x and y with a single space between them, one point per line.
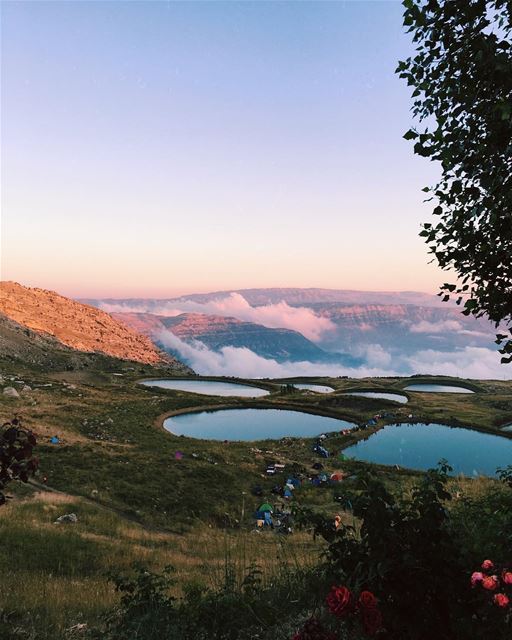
319 388
437 388
252 424
379 395
421 446
209 387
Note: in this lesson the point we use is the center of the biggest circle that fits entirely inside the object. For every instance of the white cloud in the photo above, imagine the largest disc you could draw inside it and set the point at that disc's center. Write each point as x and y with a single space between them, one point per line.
471 362
443 326
275 316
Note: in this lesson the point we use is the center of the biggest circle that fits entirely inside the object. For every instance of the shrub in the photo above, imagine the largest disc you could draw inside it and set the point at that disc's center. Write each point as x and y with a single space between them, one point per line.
16 461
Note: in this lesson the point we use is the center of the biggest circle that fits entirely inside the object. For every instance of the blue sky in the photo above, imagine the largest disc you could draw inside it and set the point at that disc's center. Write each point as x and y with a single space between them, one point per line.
154 148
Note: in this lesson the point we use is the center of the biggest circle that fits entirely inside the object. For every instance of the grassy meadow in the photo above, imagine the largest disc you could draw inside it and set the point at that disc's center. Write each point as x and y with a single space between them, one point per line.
115 468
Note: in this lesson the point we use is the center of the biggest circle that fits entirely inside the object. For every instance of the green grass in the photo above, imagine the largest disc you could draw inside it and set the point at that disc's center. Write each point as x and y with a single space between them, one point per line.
148 506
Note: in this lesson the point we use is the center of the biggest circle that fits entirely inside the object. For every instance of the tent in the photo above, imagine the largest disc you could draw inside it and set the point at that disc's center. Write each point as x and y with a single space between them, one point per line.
293 481
287 493
54 440
266 507
372 422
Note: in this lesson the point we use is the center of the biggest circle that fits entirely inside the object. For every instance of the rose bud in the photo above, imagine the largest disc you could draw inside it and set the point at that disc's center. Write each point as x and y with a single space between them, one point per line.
490 583
501 600
477 576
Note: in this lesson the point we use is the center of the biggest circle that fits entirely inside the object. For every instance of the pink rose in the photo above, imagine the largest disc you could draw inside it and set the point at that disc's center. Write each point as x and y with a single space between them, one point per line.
490 583
487 564
501 600
477 576
506 576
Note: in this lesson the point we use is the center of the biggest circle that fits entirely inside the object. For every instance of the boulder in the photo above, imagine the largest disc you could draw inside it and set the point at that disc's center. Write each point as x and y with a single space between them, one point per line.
68 517
26 388
11 391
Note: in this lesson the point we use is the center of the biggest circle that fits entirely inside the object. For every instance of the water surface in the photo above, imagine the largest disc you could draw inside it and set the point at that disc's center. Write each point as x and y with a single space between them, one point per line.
319 388
421 446
379 395
437 388
252 424
209 387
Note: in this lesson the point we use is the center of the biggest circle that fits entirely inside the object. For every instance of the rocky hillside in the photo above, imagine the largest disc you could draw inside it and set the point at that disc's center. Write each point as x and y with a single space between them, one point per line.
49 320
283 345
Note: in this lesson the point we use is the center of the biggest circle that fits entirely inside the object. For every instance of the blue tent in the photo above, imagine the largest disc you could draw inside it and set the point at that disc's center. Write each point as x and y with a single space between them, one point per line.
54 440
287 493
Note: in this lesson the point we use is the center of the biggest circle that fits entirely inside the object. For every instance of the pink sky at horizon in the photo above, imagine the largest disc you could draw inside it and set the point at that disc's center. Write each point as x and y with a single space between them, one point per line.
163 149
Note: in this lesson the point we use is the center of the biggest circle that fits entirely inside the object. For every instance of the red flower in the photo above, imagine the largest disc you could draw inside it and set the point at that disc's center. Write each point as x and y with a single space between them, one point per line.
501 600
367 600
490 583
313 630
487 564
506 576
340 601
477 576
372 620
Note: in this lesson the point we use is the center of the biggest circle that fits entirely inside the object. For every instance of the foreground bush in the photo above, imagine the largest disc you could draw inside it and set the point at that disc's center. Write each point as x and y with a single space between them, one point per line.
405 570
415 557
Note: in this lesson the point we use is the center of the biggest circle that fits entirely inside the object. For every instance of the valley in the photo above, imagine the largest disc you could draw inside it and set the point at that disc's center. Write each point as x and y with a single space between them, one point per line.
141 492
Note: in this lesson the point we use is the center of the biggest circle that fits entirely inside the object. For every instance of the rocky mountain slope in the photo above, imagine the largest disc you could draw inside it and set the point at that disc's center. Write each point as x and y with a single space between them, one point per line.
283 345
41 320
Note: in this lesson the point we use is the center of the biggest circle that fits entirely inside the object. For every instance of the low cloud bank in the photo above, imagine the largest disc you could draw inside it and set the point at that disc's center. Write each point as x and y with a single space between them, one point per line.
471 362
274 316
436 327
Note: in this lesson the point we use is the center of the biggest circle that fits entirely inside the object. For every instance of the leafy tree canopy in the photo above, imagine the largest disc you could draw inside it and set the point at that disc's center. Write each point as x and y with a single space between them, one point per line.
462 99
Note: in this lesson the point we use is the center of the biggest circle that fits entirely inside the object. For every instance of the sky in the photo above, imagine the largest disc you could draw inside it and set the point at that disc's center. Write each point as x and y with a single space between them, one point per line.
162 148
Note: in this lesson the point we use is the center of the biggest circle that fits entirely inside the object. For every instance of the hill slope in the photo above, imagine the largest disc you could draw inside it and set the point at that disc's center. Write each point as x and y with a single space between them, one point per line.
51 321
219 331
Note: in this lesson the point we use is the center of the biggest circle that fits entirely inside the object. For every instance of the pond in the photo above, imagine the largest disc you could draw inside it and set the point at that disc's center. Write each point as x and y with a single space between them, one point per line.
319 388
379 395
437 388
421 446
209 387
252 424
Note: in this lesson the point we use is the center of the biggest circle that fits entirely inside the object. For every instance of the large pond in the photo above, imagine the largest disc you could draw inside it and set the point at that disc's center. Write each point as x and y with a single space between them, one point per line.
252 424
319 388
421 446
379 395
209 387
437 388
